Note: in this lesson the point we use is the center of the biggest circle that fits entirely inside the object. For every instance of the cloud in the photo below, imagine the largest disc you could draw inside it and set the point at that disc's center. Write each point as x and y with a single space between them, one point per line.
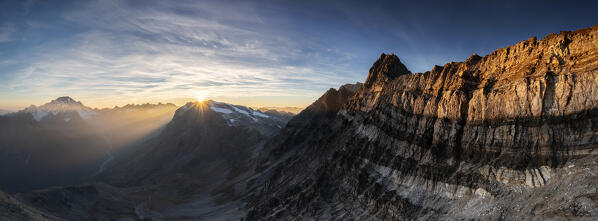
171 51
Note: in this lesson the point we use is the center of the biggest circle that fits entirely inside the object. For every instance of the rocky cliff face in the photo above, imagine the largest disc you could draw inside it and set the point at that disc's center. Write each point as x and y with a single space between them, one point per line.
509 135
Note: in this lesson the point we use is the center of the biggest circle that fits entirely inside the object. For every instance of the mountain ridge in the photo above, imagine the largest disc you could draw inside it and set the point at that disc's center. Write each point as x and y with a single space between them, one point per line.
60 105
199 166
85 139
462 141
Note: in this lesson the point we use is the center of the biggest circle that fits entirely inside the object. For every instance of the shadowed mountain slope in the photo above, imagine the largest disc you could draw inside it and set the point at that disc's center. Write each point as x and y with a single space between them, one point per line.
197 167
64 142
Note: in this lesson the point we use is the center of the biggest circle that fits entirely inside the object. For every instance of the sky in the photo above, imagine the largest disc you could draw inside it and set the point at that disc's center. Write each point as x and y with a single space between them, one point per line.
254 53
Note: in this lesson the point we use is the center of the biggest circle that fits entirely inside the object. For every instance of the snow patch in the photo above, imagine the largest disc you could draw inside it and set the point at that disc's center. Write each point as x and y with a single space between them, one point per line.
86 114
39 115
241 111
259 114
221 110
60 105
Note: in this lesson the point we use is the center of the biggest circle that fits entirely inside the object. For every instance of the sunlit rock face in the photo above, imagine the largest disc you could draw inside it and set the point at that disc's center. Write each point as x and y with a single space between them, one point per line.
511 135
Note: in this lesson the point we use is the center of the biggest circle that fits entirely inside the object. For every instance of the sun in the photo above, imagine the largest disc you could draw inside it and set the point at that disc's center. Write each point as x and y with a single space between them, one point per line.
201 95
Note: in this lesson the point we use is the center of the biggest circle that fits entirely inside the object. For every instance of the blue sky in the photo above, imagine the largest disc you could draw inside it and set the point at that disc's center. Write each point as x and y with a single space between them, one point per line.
256 53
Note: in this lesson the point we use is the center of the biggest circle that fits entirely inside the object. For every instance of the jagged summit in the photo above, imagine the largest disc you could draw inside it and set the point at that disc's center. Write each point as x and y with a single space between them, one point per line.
386 68
65 100
473 59
63 104
333 99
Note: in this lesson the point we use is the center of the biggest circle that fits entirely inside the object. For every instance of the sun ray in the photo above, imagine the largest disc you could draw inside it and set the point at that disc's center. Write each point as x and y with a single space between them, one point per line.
201 95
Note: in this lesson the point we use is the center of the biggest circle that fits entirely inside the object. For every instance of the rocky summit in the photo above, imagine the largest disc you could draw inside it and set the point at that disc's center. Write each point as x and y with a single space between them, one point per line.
511 135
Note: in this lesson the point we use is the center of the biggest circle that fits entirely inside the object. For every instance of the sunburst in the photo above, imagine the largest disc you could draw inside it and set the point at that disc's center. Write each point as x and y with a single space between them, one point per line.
201 95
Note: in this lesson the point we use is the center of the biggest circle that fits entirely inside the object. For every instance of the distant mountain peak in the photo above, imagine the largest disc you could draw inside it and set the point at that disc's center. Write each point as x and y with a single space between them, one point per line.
64 104
60 105
65 100
233 115
224 109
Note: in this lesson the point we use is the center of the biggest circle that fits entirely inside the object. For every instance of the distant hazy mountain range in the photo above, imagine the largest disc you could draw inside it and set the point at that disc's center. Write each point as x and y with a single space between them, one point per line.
3 112
293 110
205 155
63 141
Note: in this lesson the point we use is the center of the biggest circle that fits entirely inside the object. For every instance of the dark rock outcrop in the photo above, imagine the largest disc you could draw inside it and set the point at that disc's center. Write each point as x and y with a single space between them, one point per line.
13 209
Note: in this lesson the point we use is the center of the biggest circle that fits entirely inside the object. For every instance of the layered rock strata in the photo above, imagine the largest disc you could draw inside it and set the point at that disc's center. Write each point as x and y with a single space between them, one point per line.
492 137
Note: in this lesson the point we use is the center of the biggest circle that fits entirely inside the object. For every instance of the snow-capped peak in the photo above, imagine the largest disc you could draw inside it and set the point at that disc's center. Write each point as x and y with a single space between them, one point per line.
66 100
234 115
60 105
231 112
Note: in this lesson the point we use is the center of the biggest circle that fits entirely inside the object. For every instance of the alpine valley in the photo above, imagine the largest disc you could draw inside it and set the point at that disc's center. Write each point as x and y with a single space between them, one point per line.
512 135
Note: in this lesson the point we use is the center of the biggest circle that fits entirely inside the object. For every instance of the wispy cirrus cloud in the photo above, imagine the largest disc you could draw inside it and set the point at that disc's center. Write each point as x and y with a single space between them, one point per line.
165 52
267 52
